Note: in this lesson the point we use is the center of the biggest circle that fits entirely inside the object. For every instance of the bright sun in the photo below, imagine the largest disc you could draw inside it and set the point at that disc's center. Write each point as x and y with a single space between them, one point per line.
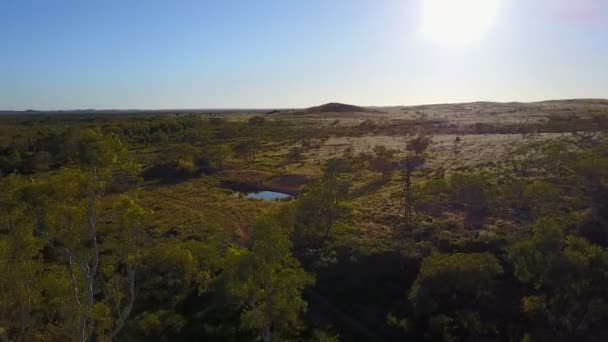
457 22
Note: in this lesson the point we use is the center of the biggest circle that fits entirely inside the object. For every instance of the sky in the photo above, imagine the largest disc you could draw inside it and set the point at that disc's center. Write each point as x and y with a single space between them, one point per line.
154 54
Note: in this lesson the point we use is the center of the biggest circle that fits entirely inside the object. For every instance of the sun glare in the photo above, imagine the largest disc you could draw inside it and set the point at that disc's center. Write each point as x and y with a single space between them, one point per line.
457 22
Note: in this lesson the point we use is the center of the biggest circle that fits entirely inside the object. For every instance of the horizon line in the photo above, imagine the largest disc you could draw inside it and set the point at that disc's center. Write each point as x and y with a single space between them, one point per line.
294 108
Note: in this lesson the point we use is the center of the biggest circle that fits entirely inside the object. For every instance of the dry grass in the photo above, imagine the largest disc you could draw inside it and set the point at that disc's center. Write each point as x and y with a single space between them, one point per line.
475 149
192 208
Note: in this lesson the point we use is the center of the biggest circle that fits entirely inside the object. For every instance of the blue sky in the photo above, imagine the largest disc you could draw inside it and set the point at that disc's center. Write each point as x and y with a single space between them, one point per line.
60 54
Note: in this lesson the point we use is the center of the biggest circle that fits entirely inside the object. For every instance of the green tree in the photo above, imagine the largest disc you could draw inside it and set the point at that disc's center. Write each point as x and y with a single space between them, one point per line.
335 167
159 325
383 161
432 196
452 291
159 137
418 144
217 154
179 152
568 278
126 243
182 156
246 150
10 160
320 207
66 209
40 161
196 136
170 273
541 197
592 166
267 282
20 265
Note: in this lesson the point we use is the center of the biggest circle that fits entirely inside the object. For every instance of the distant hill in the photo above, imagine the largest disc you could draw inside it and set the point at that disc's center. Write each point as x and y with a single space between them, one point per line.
336 107
332 107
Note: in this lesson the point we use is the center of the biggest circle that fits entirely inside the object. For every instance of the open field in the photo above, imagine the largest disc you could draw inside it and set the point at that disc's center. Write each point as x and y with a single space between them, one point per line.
194 200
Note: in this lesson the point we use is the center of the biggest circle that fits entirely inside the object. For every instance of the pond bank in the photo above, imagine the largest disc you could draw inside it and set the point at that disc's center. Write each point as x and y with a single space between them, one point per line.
269 196
247 181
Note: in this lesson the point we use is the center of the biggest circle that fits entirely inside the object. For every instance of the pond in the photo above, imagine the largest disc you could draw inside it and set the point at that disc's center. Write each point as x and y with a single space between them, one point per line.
269 195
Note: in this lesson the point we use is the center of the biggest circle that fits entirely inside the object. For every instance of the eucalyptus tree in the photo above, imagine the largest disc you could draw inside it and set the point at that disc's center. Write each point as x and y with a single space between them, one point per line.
567 278
20 264
322 205
453 291
267 282
66 208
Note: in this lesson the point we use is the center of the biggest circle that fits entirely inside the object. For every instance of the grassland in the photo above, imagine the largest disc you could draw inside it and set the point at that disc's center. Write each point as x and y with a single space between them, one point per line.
186 207
518 162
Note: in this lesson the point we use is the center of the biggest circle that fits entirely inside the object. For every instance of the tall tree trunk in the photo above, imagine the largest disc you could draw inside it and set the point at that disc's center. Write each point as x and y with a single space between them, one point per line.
83 328
266 334
122 319
90 267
